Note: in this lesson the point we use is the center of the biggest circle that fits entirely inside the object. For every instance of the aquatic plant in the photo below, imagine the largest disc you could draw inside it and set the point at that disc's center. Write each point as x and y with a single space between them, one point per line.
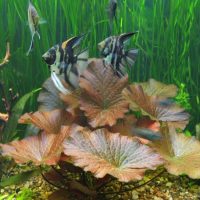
25 194
183 97
92 135
168 39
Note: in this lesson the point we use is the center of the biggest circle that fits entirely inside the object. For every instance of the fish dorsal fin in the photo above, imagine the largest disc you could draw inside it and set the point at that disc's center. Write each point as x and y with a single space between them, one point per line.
72 42
126 36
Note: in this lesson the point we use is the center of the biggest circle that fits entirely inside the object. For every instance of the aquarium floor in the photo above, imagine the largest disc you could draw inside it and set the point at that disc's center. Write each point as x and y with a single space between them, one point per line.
165 187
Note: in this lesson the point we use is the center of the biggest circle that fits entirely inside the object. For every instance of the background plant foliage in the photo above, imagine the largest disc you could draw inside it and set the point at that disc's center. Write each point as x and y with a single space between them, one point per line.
168 39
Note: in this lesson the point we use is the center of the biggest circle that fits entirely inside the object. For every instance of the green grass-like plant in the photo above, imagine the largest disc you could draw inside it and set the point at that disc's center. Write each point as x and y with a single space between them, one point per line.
168 39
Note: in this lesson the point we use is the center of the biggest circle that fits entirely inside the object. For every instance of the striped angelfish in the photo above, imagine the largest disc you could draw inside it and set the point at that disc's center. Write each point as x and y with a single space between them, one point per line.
114 53
64 59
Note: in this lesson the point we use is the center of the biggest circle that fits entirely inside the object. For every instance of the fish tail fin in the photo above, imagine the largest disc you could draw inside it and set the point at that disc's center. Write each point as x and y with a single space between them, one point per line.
31 45
131 56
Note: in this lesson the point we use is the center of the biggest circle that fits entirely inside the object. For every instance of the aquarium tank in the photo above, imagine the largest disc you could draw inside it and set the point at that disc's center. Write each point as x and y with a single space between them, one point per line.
100 99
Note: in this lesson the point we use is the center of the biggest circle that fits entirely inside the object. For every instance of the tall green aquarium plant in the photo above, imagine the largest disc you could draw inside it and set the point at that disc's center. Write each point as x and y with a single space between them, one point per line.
168 39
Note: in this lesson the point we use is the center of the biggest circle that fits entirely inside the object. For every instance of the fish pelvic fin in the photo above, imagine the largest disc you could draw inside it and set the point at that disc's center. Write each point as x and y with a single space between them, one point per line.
31 45
59 84
37 33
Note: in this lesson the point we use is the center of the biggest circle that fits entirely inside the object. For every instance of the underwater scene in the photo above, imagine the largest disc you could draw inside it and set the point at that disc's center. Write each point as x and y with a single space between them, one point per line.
100 100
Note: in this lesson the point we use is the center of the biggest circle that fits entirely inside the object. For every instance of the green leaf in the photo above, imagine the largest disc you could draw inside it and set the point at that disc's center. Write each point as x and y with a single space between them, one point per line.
10 129
3 197
19 178
11 197
26 194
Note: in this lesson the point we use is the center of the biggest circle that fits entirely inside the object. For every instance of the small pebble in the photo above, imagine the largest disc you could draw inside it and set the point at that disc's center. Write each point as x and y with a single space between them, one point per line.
135 195
169 184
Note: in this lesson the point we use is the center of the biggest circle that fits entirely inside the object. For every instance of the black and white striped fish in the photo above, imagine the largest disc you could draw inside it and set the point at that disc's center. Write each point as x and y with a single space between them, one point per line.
62 59
114 53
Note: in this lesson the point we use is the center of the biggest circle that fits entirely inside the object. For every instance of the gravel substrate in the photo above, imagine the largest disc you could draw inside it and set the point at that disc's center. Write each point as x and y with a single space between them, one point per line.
164 187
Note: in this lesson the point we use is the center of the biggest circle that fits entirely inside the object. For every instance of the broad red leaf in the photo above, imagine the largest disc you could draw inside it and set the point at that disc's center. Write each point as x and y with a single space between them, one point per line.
41 149
155 88
71 101
182 153
102 152
50 122
152 106
101 98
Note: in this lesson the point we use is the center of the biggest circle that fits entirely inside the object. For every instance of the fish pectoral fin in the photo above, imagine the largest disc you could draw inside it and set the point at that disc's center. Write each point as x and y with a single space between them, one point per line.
42 21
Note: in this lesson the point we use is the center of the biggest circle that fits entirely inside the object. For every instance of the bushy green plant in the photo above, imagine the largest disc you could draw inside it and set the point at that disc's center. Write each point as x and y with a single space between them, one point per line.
183 97
25 194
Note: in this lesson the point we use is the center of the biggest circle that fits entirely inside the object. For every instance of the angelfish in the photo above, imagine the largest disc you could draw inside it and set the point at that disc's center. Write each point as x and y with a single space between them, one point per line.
33 22
114 52
62 59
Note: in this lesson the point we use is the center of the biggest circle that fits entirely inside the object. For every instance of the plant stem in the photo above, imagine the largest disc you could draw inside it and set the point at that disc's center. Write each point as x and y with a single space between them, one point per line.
104 184
130 189
53 184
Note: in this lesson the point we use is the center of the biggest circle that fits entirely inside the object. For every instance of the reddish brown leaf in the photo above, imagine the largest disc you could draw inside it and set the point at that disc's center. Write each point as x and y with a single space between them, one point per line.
102 152
41 149
155 88
71 101
182 153
50 122
101 98
152 105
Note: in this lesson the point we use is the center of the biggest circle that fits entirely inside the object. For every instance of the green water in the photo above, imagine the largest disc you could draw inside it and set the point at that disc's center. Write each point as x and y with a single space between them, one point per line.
168 39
